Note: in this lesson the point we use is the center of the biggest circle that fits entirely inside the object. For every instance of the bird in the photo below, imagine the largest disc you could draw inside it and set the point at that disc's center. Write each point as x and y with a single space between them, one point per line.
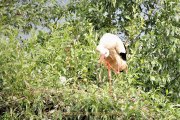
112 54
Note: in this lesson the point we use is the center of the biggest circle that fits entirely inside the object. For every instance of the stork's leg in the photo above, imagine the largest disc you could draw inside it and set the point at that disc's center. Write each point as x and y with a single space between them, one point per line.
109 76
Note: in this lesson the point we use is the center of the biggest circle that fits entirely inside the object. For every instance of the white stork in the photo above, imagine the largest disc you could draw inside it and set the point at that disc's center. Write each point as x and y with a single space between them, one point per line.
112 53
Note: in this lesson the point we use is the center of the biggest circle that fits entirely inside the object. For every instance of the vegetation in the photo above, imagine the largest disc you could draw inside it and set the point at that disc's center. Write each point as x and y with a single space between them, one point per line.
49 66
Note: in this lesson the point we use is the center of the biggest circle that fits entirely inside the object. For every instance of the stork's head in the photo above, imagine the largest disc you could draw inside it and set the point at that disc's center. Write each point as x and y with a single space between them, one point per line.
104 52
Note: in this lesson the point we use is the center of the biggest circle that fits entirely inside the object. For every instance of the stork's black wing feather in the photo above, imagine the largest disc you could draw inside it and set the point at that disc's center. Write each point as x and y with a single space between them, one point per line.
123 56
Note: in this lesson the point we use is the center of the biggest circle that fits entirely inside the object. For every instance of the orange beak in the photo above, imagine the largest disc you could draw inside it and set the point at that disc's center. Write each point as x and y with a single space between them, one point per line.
101 58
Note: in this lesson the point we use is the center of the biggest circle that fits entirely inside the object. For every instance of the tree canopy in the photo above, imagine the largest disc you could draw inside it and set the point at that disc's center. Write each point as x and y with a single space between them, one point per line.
49 66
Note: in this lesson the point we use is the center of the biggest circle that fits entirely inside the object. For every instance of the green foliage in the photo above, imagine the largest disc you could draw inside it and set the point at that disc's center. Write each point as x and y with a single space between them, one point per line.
158 56
56 75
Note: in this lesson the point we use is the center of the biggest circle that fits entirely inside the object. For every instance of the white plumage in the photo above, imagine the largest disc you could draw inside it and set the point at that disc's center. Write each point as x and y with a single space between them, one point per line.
109 41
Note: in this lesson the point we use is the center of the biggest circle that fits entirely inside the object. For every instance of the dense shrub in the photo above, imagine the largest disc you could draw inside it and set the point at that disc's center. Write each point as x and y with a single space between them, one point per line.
54 73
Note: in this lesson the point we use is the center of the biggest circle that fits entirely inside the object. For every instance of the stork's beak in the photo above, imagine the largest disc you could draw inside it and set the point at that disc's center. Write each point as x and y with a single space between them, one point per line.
101 58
